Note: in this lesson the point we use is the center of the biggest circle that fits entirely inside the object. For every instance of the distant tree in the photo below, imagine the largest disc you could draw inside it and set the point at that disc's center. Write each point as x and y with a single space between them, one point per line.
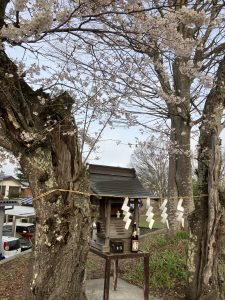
20 175
151 162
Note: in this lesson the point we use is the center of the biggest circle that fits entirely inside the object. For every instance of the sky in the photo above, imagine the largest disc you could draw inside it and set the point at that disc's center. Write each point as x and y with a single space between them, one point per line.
116 147
109 152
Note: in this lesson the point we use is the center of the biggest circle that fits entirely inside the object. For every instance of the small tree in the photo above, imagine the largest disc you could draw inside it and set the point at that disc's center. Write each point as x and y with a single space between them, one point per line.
20 175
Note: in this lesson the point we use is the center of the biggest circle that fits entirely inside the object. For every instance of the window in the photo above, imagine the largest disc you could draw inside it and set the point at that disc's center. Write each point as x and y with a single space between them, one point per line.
2 190
14 191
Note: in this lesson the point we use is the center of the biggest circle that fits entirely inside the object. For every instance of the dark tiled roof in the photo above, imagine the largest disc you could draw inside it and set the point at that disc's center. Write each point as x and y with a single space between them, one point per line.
8 177
116 181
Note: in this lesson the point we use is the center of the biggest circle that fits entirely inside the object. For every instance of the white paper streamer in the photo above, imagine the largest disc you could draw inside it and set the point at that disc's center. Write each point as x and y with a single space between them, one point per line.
127 216
125 208
151 223
148 203
127 224
180 212
149 213
164 214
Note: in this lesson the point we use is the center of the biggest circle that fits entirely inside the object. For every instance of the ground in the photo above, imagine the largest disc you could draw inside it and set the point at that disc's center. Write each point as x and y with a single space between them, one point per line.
167 269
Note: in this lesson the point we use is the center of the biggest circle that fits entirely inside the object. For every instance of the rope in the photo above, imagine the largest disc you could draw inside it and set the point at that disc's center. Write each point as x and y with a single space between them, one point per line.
108 195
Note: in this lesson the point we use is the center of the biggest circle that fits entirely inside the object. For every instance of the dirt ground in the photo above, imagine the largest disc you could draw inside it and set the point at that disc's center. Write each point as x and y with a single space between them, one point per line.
13 281
13 273
12 278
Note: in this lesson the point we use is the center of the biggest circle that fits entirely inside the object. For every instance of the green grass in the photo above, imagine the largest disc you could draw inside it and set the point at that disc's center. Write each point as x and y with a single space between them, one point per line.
167 262
167 268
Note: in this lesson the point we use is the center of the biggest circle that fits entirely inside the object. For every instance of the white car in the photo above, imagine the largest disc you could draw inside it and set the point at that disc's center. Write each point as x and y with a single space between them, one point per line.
10 246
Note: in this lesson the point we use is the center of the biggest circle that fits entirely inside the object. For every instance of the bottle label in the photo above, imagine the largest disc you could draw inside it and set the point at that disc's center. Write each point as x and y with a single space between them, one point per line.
135 245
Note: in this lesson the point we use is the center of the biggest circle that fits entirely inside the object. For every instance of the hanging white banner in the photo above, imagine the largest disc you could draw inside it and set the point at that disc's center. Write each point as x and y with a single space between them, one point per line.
127 216
180 212
127 224
125 204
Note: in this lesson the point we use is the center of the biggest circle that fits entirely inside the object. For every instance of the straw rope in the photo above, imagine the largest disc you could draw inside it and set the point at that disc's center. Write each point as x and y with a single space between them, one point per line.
108 195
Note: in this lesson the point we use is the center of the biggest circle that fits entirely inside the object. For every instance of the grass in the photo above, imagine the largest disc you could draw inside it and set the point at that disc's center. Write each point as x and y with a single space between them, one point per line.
156 225
167 263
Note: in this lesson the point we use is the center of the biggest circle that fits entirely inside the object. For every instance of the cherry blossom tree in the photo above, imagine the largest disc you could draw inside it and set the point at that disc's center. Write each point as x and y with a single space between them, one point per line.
172 56
160 56
38 127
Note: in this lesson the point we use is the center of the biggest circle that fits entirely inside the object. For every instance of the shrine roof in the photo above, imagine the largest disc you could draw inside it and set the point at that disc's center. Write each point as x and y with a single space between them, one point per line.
115 182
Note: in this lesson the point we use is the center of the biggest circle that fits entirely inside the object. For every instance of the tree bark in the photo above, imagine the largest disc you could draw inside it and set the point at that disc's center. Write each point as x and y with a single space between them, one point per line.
180 169
180 172
206 223
44 138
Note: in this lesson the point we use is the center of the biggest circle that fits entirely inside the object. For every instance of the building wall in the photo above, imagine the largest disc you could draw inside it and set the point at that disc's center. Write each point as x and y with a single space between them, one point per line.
26 192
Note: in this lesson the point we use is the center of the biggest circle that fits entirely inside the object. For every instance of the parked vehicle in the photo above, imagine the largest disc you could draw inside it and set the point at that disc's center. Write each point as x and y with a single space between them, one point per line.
25 242
24 231
10 246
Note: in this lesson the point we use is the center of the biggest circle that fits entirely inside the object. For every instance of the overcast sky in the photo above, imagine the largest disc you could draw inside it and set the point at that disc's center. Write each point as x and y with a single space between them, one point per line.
109 152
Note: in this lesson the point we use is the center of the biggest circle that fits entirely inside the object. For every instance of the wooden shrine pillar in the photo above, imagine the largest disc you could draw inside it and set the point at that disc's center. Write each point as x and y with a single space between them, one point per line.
108 218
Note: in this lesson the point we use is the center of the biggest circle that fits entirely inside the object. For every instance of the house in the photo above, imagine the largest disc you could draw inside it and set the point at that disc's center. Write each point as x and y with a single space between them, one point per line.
10 187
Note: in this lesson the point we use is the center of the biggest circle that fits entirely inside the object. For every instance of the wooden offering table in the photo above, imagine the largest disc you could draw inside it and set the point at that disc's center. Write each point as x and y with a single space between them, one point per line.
115 257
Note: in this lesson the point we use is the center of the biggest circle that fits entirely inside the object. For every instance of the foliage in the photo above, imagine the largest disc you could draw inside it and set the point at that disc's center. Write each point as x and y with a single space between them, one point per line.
167 262
195 187
20 175
13 195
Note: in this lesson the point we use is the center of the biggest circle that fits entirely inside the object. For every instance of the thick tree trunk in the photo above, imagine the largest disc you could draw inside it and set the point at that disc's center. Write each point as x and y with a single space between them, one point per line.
180 172
206 225
43 136
62 232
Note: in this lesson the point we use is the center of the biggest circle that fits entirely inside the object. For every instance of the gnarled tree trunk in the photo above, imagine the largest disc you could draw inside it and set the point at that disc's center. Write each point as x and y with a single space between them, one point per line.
42 134
206 226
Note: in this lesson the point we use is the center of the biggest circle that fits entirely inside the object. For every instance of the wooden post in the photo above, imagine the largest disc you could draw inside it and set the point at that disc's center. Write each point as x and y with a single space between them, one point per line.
107 278
136 212
14 226
2 214
115 274
146 279
107 225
